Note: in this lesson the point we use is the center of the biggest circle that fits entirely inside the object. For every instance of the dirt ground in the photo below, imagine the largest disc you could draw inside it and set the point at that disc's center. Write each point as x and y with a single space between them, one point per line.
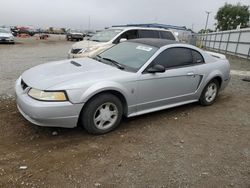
187 146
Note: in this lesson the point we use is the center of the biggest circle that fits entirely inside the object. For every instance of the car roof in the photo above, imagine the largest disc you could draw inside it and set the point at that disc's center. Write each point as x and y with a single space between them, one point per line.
154 42
141 28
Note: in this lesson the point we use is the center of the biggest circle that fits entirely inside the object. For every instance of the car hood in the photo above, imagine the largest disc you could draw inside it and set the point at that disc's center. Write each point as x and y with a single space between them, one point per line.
86 43
6 35
70 74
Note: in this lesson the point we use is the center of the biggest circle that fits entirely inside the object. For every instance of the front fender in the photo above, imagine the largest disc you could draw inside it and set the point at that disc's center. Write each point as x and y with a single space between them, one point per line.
101 87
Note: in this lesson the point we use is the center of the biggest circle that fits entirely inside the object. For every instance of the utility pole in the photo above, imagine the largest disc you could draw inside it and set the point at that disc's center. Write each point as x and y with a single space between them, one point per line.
207 12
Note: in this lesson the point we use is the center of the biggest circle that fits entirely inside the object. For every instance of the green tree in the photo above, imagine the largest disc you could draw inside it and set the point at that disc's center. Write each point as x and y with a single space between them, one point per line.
230 16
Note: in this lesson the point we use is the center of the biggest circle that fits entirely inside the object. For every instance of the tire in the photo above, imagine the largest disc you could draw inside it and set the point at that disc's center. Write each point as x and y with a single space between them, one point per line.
102 114
209 93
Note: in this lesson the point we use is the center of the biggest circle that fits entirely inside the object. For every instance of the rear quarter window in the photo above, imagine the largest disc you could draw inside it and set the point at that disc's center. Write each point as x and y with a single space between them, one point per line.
148 34
197 57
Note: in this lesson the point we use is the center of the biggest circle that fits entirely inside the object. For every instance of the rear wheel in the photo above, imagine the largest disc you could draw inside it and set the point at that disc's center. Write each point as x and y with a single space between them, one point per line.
209 93
102 114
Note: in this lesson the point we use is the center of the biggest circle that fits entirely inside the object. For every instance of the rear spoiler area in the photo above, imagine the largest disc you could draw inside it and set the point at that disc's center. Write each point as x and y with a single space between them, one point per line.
216 55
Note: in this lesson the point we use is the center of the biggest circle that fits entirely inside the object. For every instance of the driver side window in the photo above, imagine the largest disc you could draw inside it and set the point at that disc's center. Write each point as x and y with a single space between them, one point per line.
174 57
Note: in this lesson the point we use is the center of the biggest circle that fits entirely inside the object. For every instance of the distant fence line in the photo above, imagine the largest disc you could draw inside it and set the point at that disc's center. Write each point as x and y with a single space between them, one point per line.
233 42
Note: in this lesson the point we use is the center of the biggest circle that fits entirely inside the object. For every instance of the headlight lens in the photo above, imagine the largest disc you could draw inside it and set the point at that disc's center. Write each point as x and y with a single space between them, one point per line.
47 95
89 49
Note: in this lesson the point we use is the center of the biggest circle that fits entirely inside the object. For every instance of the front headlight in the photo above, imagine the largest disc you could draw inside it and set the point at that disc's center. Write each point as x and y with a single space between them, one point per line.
89 49
47 95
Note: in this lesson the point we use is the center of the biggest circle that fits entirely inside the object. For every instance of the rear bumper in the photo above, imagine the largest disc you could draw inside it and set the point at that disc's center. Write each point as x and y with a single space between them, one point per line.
49 114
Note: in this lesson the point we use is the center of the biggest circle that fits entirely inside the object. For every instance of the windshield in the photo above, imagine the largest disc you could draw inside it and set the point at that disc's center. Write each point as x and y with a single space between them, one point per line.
2 30
105 36
130 55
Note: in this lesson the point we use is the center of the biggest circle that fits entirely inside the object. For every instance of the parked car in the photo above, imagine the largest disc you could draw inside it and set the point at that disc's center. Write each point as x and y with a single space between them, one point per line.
109 37
26 30
6 36
74 35
129 79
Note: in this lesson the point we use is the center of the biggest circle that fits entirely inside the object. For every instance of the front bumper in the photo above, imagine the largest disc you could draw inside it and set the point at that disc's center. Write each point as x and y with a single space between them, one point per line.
6 40
49 114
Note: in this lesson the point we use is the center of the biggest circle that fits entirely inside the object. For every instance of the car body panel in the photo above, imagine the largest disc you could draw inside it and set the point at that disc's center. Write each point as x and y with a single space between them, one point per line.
143 92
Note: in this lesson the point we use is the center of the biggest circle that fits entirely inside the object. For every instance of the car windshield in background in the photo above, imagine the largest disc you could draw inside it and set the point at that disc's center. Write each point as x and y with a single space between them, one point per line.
130 55
2 30
106 35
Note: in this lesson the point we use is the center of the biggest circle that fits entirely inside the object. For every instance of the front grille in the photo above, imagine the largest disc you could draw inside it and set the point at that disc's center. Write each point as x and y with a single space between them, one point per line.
23 85
75 51
4 38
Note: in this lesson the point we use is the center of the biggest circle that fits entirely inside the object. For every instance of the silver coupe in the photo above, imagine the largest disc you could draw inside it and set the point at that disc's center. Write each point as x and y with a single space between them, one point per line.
132 78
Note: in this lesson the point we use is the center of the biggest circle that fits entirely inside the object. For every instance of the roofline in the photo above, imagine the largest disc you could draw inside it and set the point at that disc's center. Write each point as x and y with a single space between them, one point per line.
133 27
154 25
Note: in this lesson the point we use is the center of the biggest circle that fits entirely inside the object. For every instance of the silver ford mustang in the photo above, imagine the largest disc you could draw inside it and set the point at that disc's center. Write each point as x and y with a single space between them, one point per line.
132 78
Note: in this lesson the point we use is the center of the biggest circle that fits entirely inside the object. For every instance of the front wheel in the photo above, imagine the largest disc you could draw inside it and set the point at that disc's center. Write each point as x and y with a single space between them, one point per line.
209 93
102 114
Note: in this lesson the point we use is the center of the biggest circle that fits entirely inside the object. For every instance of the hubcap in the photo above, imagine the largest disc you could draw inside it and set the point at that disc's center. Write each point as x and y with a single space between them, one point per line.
105 116
211 92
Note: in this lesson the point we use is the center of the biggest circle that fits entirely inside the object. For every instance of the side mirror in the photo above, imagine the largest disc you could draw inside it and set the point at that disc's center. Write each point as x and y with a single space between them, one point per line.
156 69
122 40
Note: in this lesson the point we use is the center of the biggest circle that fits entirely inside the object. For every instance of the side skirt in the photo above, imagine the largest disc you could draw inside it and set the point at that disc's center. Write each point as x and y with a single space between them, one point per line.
160 108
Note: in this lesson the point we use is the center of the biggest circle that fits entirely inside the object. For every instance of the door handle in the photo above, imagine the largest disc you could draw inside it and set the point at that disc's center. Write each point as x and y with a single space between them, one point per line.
191 74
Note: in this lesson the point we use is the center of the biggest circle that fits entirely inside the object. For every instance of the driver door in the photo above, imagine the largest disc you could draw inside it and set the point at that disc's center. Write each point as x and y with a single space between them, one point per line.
177 84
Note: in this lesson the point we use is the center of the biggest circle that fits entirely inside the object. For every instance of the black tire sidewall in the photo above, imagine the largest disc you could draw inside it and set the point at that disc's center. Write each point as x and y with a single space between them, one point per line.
203 100
91 107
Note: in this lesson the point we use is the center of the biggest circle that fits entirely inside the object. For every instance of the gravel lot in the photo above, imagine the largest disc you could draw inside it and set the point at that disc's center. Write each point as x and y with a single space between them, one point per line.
188 146
15 59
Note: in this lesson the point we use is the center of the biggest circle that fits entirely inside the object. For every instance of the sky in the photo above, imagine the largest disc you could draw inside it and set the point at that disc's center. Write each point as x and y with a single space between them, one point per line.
105 13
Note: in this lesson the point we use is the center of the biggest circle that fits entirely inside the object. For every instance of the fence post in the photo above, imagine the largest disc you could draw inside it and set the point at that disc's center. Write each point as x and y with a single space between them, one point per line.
209 40
215 39
220 40
228 41
237 43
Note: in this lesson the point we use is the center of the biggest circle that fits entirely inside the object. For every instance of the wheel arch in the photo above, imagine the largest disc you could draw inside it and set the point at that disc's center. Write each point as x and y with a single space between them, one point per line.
116 93
219 79
217 75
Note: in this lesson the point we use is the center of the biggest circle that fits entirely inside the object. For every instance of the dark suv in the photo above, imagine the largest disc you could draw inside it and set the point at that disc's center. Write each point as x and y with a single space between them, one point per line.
75 35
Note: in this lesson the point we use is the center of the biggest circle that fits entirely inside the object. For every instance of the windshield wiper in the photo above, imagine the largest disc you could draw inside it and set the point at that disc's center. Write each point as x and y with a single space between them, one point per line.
94 40
112 61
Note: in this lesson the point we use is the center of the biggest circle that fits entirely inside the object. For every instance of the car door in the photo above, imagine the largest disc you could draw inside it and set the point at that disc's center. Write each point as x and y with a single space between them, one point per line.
177 84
